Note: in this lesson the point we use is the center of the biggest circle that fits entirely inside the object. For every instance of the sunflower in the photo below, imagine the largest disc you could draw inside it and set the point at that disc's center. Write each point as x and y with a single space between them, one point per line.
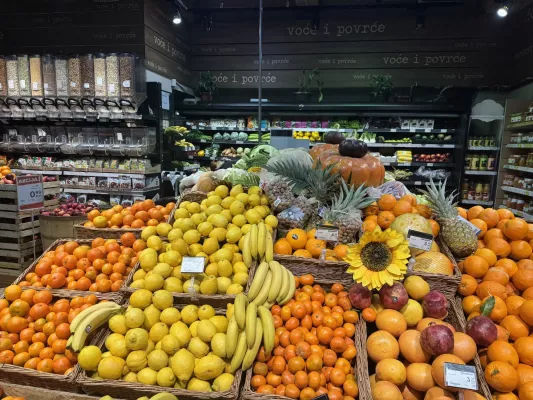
379 258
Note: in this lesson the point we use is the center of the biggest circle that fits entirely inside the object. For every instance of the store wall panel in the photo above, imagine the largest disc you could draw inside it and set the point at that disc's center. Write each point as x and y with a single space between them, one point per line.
71 6
157 62
521 42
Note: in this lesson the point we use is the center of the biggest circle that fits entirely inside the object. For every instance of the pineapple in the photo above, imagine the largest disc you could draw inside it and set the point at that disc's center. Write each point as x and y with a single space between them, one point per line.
345 211
456 233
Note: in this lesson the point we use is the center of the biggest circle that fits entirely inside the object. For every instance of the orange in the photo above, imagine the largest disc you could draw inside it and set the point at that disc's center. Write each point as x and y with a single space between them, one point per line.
297 238
524 348
474 212
424 211
490 288
503 213
501 376
525 374
516 327
508 265
391 321
493 233
385 218
481 225
12 292
497 274
513 304
402 207
282 246
471 304
520 249
523 279
502 351
500 247
341 250
526 391
488 255
302 253
386 202
437 369
490 217
476 266
526 312
467 286
381 345
516 229
464 347
315 247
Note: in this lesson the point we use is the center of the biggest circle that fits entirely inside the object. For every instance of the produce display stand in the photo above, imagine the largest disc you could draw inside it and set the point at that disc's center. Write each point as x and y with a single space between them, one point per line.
20 230
37 393
322 270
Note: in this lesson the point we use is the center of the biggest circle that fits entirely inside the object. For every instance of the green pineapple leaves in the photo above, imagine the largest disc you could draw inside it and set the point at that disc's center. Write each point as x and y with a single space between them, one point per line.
443 206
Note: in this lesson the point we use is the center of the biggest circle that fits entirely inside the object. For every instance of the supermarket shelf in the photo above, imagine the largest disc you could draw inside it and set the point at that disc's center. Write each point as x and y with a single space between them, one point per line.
478 202
211 128
186 167
239 142
520 126
526 216
199 158
83 173
486 173
417 164
517 191
108 191
515 168
35 172
413 145
520 146
486 148
371 130
422 183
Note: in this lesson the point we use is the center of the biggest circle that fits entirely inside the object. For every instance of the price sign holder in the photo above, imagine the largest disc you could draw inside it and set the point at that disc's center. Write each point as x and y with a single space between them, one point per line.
194 266
30 197
460 376
419 240
327 233
471 225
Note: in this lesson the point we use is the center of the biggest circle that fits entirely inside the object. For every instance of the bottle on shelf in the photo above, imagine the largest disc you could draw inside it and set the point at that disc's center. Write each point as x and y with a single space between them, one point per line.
464 190
483 161
479 191
491 162
486 192
474 163
471 191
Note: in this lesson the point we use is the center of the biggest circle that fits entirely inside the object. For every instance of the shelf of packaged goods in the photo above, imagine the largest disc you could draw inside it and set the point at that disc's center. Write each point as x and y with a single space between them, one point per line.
35 172
185 167
526 216
517 191
415 182
418 164
111 192
237 142
520 146
235 129
521 126
371 130
403 145
517 168
483 148
483 173
478 202
85 173
202 158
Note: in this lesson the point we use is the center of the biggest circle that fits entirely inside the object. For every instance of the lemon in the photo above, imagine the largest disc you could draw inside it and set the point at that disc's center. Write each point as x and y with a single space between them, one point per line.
118 348
223 254
150 347
161 258
193 208
182 332
416 287
237 257
246 228
233 235
166 377
148 259
198 385
139 284
180 246
176 272
226 202
158 331
269 229
140 274
151 316
162 269
147 376
148 232
254 200
220 322
187 286
162 300
218 220
227 214
184 204
241 278
194 249
136 360
222 284
210 245
155 242
110 340
218 233
264 200
173 284
141 299
253 217
213 200
130 377
231 246
111 367
261 210
224 268
211 269
157 360
206 330
412 312
237 207
197 219
136 339
205 312
198 347
134 318
117 324
218 345
89 358
181 213
185 224
194 329
223 382
209 285
235 190
173 258
170 344
192 237
175 234
229 311
205 228
213 210
163 228
234 288
222 191
271 221
189 314
239 220
170 316
153 282
243 198
239 266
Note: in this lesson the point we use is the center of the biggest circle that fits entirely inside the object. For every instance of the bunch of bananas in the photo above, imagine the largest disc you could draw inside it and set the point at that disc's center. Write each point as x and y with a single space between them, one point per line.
252 324
183 143
88 321
258 245
159 396
311 136
174 130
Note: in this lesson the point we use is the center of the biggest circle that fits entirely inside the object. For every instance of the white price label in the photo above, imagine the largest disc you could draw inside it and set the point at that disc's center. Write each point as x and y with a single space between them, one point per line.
73 84
30 192
40 132
321 211
192 265
239 142
119 136
277 202
11 84
35 85
86 85
111 88
460 376
418 183
471 225
126 84
393 130
427 130
262 184
99 81
430 164
328 233
23 84
443 130
419 240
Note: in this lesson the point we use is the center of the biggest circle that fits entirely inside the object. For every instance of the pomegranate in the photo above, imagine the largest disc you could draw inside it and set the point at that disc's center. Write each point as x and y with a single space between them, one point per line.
435 305
360 296
437 339
482 330
394 296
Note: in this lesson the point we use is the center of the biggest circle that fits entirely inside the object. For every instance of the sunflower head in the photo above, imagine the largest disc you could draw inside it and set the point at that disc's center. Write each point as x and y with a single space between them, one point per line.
379 258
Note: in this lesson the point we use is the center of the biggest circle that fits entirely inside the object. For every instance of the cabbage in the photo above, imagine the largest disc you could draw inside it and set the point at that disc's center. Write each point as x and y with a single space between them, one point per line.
218 136
239 150
243 136
226 136
264 149
234 136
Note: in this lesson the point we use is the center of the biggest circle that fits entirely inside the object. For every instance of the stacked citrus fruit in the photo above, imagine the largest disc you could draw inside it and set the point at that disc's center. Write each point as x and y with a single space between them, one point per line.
101 267
300 243
35 328
314 346
140 214
497 281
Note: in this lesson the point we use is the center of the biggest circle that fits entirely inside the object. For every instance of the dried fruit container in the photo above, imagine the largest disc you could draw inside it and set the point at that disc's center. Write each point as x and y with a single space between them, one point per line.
36 76
13 88
49 76
3 77
74 76
126 62
87 75
112 75
23 70
100 76
62 76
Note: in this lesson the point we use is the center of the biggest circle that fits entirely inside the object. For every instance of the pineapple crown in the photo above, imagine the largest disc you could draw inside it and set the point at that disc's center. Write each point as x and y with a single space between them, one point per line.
347 201
443 206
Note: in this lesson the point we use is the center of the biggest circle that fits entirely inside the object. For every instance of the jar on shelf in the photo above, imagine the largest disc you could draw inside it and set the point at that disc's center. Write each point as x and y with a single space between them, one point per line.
3 77
514 160
87 75
507 179
492 142
486 141
113 79
468 161
474 163
519 137
483 162
23 69
514 200
36 76
513 139
126 63
62 76
491 162
516 180
471 191
49 76
13 88
74 76
486 192
471 141
522 161
100 76
479 191
520 205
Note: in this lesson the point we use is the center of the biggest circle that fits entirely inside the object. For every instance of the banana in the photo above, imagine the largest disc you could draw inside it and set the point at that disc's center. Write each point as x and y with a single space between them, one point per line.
292 289
251 315
89 325
268 328
88 311
251 353
269 248
261 240
284 285
164 396
263 294
254 233
268 305
232 335
240 351
239 310
277 274
246 254
257 283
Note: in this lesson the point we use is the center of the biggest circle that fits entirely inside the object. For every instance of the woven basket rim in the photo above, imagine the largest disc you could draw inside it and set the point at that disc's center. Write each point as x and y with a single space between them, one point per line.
313 261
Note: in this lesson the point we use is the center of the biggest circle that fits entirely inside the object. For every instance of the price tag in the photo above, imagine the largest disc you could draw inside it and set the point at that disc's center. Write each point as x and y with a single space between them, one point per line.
119 136
86 85
99 81
321 211
429 164
30 192
262 184
126 84
40 132
328 233
11 84
277 202
443 130
73 84
427 130
239 142
420 240
111 88
35 85
471 225
393 130
418 183
192 265
23 84
460 376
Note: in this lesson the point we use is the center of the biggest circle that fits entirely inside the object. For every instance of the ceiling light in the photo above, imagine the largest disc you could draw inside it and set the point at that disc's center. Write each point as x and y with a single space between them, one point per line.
176 19
503 11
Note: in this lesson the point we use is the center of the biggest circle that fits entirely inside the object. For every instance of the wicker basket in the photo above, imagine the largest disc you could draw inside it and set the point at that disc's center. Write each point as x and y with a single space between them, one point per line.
83 232
30 377
34 393
114 296
446 284
132 391
191 196
320 269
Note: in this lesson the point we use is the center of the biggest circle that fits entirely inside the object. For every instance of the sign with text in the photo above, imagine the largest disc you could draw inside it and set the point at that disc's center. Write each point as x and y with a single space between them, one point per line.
328 233
420 240
30 193
460 376
470 225
192 265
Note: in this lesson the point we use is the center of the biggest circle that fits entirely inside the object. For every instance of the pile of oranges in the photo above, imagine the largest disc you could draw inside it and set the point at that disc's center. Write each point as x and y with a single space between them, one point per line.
101 267
313 347
141 214
300 243
34 329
